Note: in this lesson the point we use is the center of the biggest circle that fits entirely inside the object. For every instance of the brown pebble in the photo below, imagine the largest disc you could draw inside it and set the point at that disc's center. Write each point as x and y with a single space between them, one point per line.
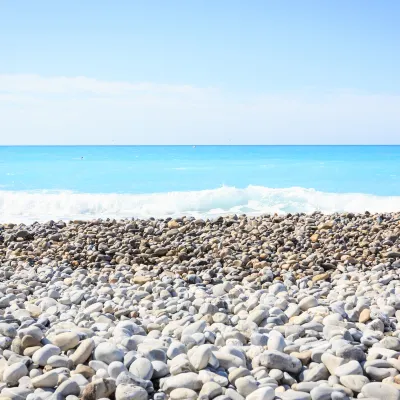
365 315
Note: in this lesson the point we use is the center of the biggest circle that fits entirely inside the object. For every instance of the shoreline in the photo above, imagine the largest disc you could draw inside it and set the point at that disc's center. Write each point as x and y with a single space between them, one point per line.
291 307
252 200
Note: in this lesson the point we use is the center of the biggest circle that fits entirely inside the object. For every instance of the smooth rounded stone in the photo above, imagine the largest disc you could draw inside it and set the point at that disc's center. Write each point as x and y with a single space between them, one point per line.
227 360
316 373
308 302
389 342
187 380
200 356
354 382
339 396
102 373
29 341
195 327
47 380
83 351
13 373
236 373
331 362
39 396
351 353
303 356
130 392
380 352
183 394
351 368
265 393
7 330
98 365
259 339
68 387
58 361
257 316
220 377
306 386
79 379
160 369
84 370
324 392
34 373
246 385
276 374
276 341
378 374
160 396
176 348
295 395
108 352
210 390
41 356
115 368
16 393
380 391
277 360
99 388
66 340
142 368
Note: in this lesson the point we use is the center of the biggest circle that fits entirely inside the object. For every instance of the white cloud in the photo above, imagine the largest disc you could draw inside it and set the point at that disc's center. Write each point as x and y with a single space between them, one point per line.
61 110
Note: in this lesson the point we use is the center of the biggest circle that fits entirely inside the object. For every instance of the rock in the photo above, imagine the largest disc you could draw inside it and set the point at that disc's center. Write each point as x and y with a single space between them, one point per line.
142 368
364 316
200 356
354 382
381 391
47 380
331 362
265 393
13 373
210 390
83 351
41 356
183 394
324 392
188 380
308 302
295 395
350 368
98 389
108 352
66 340
276 341
68 387
282 361
246 385
130 392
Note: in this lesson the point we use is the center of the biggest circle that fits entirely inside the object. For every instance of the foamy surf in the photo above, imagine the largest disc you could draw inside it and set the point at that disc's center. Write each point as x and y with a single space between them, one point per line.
19 206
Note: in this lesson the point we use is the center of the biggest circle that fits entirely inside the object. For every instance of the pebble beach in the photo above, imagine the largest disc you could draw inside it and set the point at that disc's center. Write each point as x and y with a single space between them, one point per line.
290 307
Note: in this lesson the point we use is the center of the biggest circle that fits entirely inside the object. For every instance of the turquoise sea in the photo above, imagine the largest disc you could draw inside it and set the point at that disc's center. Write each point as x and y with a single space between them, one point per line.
70 182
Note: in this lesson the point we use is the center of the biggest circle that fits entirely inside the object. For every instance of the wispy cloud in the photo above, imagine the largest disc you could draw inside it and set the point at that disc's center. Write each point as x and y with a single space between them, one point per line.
29 83
68 110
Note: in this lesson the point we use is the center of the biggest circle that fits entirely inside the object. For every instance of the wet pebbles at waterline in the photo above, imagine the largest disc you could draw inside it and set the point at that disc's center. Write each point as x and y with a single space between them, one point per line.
295 308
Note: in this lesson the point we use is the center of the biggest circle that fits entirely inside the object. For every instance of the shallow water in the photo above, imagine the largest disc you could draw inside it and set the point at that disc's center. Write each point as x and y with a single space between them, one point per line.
46 182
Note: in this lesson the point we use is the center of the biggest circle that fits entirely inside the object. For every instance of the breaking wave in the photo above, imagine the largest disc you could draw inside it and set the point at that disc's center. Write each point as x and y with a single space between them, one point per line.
19 206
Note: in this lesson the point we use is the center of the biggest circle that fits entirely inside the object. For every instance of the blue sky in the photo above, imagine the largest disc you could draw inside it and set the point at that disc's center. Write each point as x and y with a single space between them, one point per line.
254 71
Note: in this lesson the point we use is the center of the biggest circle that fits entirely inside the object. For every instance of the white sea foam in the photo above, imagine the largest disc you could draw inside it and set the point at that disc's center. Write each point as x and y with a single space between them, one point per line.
16 206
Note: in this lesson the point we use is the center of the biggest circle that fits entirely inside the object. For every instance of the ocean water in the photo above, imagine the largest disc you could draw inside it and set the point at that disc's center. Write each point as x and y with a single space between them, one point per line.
40 183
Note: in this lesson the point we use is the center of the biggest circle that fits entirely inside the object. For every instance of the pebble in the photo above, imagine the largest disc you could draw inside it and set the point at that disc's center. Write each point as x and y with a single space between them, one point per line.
295 307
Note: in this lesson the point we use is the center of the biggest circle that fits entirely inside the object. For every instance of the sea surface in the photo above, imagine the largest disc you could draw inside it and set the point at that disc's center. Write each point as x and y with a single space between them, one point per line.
39 183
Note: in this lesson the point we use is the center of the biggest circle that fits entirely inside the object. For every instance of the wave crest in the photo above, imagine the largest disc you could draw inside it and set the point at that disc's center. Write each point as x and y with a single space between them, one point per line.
16 206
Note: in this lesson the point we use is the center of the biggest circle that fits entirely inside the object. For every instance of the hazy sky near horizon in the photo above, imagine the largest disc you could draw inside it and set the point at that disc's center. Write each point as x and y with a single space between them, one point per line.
206 72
